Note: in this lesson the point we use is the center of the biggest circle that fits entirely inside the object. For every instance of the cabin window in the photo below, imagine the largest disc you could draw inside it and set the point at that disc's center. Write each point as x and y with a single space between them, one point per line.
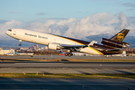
14 34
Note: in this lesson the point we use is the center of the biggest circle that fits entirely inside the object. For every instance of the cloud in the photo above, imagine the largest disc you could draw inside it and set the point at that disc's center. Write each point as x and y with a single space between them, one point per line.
129 4
123 20
130 9
91 25
14 12
7 25
3 21
41 14
96 24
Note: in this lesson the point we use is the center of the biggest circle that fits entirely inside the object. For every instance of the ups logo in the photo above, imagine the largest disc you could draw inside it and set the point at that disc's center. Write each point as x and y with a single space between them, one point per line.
120 36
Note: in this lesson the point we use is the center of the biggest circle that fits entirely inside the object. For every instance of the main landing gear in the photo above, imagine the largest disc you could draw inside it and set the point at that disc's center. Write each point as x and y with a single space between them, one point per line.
69 53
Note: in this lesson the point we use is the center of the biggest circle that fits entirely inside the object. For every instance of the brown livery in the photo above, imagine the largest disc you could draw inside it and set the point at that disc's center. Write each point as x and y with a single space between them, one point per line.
113 45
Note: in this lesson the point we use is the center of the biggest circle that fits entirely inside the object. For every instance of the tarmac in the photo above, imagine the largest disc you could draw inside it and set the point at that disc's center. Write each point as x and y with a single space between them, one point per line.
66 66
67 57
66 84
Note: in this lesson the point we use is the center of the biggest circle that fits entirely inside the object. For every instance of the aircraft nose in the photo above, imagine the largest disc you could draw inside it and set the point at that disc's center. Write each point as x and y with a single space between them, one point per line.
8 32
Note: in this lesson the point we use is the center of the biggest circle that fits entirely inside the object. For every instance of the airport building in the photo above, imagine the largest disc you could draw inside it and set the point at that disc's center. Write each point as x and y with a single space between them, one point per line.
85 54
7 51
25 53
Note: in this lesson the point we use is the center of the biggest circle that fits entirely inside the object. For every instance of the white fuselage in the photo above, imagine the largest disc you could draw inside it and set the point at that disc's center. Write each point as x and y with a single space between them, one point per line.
45 39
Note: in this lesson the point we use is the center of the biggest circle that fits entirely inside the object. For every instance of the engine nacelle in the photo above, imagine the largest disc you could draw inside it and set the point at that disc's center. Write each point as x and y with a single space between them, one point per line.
54 46
112 43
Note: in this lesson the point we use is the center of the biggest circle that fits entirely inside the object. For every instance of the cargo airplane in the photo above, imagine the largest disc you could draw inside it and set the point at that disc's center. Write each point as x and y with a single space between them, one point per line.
110 46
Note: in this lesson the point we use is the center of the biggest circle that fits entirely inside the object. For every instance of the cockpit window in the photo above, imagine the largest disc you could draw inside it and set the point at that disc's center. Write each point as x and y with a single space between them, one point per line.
9 30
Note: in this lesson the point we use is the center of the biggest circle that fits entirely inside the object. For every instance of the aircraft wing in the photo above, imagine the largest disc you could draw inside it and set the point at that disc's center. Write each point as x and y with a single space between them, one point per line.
67 46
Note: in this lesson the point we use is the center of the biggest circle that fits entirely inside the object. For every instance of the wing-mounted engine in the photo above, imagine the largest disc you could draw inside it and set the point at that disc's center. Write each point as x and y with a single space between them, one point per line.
54 46
115 44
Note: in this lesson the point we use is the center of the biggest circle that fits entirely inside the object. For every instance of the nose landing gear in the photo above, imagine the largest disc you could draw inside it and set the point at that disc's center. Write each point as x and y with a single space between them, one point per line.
20 42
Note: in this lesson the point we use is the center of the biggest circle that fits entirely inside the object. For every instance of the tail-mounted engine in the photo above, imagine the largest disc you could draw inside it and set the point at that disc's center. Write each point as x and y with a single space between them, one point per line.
116 44
54 46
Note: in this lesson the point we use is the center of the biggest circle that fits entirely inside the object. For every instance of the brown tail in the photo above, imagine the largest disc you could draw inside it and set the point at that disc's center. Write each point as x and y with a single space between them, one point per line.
120 36
116 40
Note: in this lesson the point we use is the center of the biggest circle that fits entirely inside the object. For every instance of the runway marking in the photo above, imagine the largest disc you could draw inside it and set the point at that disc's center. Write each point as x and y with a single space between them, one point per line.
100 64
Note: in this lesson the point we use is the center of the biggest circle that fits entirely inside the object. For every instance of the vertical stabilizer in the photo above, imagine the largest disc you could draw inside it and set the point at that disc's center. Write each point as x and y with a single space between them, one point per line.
120 36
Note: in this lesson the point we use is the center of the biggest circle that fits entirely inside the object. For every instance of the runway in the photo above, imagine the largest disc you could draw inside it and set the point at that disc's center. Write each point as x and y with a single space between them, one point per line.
68 67
64 66
67 64
66 84
66 57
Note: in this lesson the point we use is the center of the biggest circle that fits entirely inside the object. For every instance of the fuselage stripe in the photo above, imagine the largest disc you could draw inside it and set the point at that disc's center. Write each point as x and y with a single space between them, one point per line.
80 42
97 51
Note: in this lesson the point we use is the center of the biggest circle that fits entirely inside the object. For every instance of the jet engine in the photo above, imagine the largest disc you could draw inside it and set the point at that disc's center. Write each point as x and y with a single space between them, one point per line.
112 43
54 46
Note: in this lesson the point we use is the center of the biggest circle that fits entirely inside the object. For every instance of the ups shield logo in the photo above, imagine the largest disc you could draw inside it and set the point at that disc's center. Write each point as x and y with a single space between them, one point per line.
120 36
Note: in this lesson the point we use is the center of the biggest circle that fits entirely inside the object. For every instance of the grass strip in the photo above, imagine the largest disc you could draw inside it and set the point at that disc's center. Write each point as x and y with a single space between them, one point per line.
77 76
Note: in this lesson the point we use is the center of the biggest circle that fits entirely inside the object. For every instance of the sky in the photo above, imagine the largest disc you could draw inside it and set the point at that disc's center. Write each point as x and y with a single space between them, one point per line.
72 18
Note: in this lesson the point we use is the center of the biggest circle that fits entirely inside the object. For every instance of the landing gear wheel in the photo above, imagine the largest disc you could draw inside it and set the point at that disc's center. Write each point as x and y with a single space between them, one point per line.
20 44
66 54
69 54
